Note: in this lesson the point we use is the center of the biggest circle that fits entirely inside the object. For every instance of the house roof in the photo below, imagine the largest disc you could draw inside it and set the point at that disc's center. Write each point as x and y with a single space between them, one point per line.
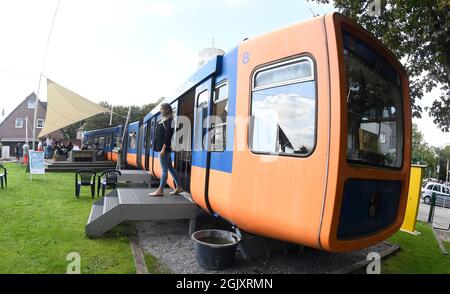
5 126
31 96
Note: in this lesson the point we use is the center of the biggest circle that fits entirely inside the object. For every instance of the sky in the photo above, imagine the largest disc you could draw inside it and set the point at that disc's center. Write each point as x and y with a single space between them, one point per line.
133 51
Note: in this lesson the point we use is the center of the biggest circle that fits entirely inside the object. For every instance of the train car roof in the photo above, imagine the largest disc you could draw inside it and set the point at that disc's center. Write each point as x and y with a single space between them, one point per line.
118 127
214 66
133 124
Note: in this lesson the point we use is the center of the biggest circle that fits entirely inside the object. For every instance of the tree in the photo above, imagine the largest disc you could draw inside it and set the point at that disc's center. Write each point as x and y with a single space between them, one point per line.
422 153
444 156
417 32
119 115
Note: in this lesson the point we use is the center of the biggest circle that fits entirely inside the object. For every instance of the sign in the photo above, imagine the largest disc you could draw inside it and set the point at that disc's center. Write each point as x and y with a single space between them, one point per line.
37 165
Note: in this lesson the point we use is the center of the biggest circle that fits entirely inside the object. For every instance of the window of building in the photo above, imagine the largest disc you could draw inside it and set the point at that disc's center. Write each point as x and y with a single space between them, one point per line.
31 103
40 123
283 108
19 123
220 113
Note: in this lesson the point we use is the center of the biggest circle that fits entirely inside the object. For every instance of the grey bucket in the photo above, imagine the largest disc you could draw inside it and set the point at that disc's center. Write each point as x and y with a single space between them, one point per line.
215 249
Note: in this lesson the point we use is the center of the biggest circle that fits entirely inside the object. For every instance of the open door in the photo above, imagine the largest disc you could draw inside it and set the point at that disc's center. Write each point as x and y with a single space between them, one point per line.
200 155
140 146
182 139
147 145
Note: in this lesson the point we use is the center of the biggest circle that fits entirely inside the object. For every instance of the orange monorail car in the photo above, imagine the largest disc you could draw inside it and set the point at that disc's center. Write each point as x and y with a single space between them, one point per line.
316 143
346 187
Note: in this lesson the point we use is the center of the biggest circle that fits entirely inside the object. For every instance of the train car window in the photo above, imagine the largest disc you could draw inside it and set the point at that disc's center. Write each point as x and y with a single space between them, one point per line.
132 140
286 72
374 107
283 109
202 112
101 142
116 141
152 132
220 112
174 123
203 98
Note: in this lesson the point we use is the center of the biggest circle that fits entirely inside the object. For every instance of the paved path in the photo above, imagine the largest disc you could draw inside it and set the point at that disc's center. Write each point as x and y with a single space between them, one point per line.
441 215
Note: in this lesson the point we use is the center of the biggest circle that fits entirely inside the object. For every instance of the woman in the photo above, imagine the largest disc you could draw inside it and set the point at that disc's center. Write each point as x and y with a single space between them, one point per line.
164 133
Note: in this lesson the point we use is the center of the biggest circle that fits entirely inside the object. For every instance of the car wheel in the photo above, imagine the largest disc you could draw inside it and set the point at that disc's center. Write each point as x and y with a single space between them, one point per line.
427 200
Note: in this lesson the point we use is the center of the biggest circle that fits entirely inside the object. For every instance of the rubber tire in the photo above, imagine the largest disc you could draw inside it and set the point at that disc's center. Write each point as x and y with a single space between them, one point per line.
427 200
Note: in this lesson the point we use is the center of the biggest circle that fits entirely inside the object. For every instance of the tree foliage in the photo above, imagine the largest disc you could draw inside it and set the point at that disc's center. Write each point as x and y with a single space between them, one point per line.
417 32
119 117
430 156
422 153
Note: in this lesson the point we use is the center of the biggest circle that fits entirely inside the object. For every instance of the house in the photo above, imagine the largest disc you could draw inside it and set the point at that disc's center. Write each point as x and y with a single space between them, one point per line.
14 127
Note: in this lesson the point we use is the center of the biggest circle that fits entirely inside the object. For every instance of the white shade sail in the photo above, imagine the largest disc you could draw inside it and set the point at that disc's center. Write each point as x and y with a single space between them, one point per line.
65 108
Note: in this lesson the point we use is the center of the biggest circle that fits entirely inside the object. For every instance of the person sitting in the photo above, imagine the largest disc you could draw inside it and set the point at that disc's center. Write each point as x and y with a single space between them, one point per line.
69 147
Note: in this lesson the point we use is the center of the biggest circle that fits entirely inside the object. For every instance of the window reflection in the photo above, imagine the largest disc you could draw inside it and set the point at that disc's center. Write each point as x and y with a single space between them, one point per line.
283 119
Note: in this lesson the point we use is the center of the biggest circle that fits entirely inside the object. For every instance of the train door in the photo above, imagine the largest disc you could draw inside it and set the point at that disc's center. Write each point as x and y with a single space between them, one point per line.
147 146
182 140
151 151
200 155
139 146
154 153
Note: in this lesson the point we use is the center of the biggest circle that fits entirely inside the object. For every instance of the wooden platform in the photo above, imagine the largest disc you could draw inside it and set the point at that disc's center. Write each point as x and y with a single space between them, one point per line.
68 166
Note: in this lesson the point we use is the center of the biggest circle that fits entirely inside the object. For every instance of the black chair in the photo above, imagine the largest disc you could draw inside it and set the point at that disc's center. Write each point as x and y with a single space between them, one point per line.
107 179
3 176
85 177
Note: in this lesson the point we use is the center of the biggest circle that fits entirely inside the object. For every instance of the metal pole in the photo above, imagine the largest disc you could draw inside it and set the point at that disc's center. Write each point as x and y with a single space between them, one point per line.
446 178
110 117
119 160
26 129
36 103
432 207
40 76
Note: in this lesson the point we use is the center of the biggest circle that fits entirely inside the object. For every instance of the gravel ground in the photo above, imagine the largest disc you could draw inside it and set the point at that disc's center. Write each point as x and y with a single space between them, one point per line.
169 242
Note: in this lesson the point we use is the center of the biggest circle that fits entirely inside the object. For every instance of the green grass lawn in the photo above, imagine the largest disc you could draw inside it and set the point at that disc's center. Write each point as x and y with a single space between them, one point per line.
42 221
418 255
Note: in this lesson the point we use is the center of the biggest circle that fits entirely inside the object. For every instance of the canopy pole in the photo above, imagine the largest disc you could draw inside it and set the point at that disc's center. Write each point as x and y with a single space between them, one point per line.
119 160
110 116
36 105
26 129
40 76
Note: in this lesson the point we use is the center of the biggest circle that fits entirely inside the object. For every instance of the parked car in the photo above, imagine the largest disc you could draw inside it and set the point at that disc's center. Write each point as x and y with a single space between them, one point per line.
442 194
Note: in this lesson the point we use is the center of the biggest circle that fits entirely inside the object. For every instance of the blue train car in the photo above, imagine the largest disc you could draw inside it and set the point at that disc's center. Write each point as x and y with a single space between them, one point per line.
105 140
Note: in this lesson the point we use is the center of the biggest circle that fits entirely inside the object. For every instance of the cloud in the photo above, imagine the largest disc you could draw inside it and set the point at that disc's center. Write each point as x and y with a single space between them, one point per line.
163 8
236 3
